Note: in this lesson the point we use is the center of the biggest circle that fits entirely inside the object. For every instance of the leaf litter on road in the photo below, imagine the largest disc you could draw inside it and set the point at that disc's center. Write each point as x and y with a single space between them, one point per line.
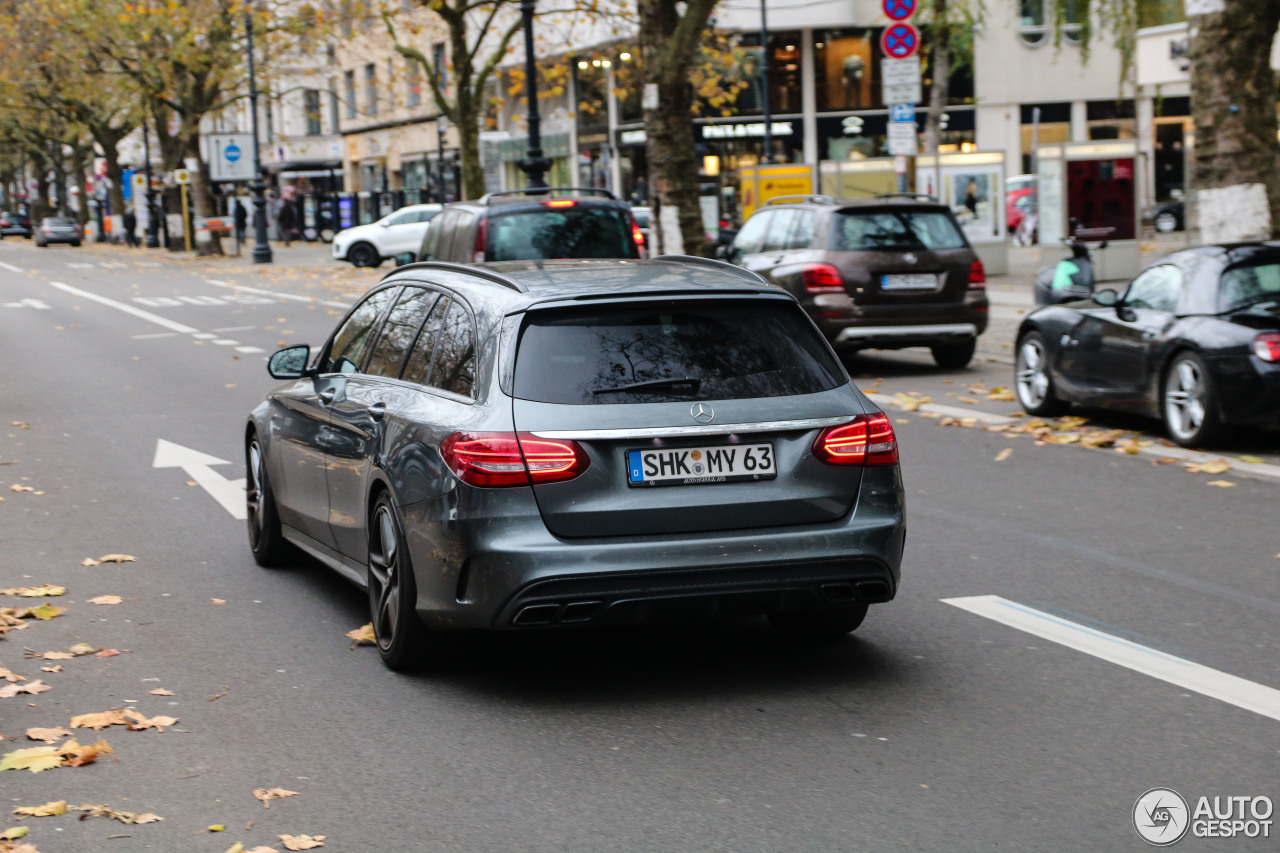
109 558
266 795
50 809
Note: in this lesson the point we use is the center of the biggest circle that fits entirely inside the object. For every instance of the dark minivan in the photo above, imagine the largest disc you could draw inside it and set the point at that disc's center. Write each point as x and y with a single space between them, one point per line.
887 273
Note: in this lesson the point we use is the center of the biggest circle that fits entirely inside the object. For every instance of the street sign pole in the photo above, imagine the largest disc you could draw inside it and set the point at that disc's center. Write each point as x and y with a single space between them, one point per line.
901 75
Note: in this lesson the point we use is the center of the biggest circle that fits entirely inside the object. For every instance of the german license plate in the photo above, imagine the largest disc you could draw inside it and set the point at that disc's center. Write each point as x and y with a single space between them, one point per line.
909 281
691 466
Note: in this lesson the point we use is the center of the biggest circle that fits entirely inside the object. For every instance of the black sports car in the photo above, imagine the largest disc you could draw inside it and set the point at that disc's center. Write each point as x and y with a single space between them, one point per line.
1194 340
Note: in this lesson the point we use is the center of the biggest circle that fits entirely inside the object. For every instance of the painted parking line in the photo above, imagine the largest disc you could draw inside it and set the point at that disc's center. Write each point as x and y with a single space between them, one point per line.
172 325
287 296
1249 695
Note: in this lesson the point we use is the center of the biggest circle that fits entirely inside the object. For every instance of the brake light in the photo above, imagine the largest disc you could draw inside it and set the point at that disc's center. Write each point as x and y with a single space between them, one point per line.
482 236
867 440
560 202
977 276
822 278
1266 346
496 459
636 233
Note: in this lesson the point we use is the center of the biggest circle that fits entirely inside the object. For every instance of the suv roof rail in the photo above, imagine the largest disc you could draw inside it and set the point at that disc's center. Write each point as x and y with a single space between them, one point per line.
464 269
913 196
786 199
714 264
488 197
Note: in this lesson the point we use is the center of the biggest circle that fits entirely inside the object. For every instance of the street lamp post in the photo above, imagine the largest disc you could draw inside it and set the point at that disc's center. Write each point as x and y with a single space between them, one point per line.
764 87
261 248
149 197
534 164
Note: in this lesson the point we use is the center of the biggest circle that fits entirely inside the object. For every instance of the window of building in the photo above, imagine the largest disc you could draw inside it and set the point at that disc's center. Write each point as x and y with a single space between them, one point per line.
1031 25
1112 120
413 83
784 74
1158 13
349 87
333 104
311 108
371 89
391 84
1073 20
439 66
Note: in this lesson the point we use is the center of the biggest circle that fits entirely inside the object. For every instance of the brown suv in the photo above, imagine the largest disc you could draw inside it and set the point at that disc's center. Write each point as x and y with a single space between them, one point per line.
886 273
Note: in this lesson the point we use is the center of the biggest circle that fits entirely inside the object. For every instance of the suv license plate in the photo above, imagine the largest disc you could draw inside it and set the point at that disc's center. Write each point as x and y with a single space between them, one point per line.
909 281
690 466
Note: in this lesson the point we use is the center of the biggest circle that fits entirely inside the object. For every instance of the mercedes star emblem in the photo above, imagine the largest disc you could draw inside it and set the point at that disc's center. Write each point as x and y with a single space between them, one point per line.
909 258
702 413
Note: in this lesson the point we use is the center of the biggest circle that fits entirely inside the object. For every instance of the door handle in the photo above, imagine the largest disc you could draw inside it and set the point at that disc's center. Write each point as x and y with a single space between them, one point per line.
377 410
327 395
1149 334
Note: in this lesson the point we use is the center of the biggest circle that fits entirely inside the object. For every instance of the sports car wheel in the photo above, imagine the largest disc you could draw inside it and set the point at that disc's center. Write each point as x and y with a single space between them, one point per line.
402 638
266 539
1032 381
1190 408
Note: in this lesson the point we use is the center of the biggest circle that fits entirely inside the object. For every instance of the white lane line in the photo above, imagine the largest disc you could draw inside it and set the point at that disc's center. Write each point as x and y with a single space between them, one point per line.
884 401
227 342
11 267
203 336
250 349
128 309
289 296
228 493
235 329
156 335
1186 674
76 265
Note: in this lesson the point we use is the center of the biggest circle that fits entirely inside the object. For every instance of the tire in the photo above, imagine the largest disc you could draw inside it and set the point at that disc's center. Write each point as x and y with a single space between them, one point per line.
818 625
266 539
75 245
1166 222
1188 403
954 356
1031 379
364 255
402 639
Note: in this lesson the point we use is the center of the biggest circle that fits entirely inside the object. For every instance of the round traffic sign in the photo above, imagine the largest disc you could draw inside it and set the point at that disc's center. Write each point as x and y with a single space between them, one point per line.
900 41
231 152
899 10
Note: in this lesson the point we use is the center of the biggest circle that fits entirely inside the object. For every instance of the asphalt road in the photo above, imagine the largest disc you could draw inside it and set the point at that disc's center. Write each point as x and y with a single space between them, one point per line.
935 728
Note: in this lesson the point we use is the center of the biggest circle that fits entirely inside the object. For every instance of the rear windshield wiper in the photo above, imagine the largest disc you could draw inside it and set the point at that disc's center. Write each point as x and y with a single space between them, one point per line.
687 382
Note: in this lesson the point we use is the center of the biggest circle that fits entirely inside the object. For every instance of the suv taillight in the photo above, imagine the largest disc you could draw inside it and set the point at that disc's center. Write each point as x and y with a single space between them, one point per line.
1266 346
636 234
867 440
511 459
977 276
482 236
822 278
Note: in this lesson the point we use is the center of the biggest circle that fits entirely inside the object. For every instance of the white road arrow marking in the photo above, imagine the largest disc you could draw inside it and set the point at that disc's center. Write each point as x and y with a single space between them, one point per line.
29 303
1214 683
229 493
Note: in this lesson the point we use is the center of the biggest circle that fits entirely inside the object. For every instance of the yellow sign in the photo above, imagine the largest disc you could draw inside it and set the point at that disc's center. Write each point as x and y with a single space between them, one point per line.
762 183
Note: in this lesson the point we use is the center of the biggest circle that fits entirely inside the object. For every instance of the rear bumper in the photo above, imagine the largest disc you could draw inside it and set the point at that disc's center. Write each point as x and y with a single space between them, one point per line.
894 327
1248 389
902 335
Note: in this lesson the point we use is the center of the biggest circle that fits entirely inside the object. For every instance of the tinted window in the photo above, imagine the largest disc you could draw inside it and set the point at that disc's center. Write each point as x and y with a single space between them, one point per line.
751 237
399 331
1156 289
1256 285
353 338
899 230
454 365
779 230
401 217
731 349
801 231
418 368
426 214
570 232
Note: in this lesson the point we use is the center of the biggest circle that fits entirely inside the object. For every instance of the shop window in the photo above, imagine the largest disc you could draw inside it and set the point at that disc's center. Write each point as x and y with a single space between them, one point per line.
784 74
1031 25
846 73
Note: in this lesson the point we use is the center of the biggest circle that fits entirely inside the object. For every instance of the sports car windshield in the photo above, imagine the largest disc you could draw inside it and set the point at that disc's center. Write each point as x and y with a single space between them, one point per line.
900 230
1254 287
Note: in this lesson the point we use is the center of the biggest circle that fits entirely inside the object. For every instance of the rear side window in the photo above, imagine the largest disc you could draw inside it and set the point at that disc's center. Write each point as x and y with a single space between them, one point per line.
399 331
779 230
708 350
802 231
418 368
431 240
569 232
454 366
751 237
1256 285
900 230
351 341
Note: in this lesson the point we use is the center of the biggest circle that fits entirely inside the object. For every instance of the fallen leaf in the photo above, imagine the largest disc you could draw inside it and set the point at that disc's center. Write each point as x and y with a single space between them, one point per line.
9 675
44 611
12 690
13 833
219 601
19 488
969 400
1214 466
20 424
216 827
269 794
35 759
52 735
302 842
78 755
1004 454
117 558
83 649
54 668
137 722
99 810
1222 484
99 720
56 807
106 599
362 634
1252 460
107 653
35 591
160 691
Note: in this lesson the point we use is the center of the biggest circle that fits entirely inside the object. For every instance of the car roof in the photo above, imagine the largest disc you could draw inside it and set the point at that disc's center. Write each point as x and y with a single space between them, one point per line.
910 200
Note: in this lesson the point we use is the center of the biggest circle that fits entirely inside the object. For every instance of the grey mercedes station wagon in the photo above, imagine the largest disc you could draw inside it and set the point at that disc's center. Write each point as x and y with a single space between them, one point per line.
559 444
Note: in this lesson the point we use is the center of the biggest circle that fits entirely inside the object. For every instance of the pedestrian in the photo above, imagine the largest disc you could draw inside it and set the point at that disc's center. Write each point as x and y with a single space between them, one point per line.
284 220
130 228
242 220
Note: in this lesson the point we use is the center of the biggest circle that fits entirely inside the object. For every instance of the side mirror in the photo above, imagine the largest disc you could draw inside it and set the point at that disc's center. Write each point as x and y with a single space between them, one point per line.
1107 297
290 362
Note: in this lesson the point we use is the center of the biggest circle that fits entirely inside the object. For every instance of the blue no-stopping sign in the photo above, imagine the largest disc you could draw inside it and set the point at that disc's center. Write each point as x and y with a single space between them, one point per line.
900 41
899 10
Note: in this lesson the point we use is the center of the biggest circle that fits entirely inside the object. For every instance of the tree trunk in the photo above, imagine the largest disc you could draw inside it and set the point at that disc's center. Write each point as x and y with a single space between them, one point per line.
468 127
80 173
1234 171
940 71
200 196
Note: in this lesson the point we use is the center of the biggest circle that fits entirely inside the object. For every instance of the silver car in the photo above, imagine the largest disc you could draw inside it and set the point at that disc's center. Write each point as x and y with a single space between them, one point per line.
543 445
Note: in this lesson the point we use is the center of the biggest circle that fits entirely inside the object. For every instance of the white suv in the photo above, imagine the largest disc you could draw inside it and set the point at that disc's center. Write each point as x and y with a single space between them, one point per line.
394 234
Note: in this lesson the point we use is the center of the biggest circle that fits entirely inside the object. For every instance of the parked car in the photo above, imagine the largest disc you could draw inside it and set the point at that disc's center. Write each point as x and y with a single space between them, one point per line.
520 225
394 234
890 272
563 444
1169 216
1194 340
58 229
15 224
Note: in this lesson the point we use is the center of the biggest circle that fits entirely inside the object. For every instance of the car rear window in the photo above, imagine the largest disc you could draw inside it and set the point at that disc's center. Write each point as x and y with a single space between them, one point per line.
1258 285
709 350
896 229
569 232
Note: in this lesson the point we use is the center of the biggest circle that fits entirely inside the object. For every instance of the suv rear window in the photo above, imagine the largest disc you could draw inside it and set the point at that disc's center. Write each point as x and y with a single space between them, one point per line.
575 231
895 229
713 350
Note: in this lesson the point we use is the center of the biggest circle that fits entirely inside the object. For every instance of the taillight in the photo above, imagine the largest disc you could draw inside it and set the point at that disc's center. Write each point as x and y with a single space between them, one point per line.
636 233
509 459
1266 346
822 278
560 202
867 440
977 276
482 236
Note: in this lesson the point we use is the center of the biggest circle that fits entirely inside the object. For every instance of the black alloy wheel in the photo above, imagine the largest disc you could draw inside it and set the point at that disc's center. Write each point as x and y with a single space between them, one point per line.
363 255
401 636
266 539
818 625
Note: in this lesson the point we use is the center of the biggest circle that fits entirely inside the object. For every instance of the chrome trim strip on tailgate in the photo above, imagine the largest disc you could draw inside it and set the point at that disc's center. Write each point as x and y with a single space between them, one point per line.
700 429
858 332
